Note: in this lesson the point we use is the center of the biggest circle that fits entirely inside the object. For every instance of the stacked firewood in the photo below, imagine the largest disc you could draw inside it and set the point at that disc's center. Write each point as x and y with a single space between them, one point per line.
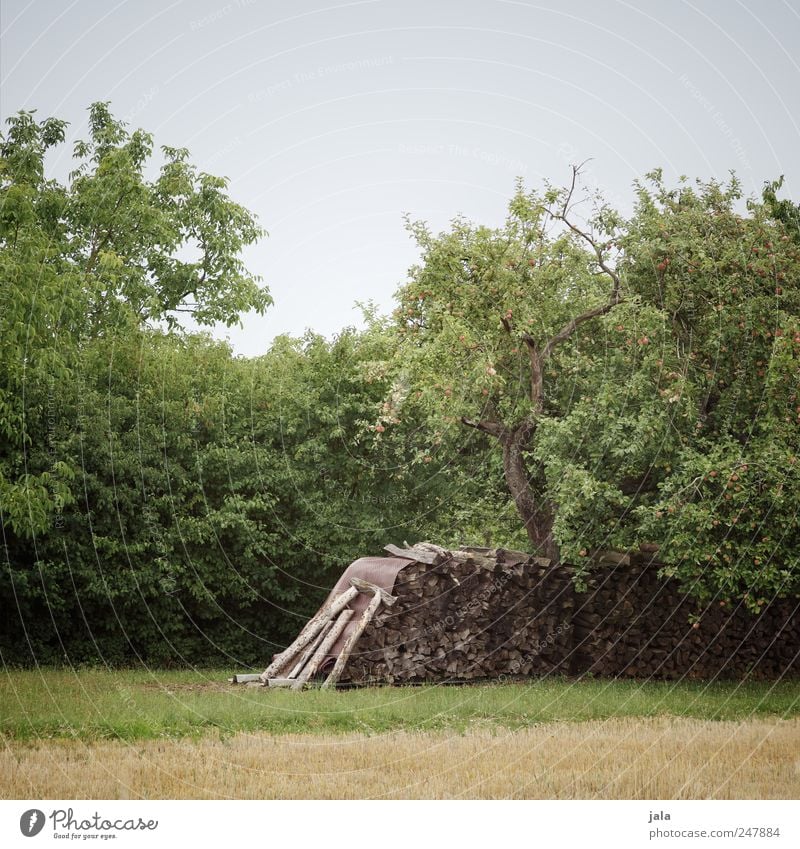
464 615
489 614
632 623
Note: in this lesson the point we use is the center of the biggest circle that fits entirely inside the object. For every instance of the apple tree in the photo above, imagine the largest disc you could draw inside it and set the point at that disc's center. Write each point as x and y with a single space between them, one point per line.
633 374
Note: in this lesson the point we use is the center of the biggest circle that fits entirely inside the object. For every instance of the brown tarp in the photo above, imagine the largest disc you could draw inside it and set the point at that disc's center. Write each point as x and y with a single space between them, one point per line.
381 571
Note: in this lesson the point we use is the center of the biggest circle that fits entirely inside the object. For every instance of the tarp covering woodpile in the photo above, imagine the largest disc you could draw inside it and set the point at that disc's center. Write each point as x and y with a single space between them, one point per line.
429 614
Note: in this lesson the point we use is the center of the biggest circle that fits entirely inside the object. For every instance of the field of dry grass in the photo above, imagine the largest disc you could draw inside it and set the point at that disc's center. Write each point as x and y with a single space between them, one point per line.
97 734
621 758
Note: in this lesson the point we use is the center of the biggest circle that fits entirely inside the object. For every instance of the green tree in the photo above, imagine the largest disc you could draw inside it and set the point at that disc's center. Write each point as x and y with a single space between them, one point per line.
613 362
108 250
491 320
103 441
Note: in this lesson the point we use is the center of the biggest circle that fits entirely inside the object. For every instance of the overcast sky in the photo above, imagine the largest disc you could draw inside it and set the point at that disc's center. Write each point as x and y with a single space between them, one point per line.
333 120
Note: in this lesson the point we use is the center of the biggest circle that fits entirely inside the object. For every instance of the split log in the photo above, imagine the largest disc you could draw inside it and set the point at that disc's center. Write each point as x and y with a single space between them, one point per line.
366 587
312 628
344 655
245 678
479 613
415 553
323 649
296 669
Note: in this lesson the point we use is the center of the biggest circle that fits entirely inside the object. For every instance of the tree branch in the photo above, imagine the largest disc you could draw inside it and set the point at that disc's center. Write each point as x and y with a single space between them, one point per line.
587 237
495 429
616 295
98 246
571 326
537 379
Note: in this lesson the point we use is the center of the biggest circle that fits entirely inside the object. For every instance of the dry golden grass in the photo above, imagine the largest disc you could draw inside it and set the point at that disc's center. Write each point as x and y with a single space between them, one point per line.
664 758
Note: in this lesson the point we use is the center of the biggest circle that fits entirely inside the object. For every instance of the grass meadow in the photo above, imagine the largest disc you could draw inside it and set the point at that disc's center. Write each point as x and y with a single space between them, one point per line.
188 734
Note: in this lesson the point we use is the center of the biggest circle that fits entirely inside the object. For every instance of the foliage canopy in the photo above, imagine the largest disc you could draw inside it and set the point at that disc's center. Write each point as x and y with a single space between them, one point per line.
639 376
567 382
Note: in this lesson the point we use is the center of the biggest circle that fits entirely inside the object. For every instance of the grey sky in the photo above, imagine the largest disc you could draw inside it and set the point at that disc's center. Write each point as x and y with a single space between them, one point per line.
332 120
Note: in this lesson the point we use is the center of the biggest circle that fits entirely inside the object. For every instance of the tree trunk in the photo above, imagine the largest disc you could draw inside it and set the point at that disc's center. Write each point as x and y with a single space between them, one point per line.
536 517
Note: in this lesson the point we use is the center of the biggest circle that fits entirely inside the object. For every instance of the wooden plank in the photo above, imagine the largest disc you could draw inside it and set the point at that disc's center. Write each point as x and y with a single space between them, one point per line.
471 558
417 555
366 587
612 558
509 555
429 549
311 629
280 682
347 648
310 650
245 678
323 649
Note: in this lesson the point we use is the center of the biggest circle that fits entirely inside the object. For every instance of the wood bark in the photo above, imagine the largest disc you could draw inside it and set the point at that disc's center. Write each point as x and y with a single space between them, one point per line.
460 621
244 678
311 629
537 515
366 587
324 647
310 649
482 614
352 640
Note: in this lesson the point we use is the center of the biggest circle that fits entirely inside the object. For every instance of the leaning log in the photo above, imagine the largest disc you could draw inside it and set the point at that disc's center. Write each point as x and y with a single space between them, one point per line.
324 647
312 628
309 652
344 655
366 587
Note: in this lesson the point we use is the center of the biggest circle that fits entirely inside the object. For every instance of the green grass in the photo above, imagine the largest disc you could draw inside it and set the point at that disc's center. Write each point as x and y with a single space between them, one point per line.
92 704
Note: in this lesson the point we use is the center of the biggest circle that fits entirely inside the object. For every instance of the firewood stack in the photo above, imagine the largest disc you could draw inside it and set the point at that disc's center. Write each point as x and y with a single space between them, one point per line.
467 615
489 614
631 623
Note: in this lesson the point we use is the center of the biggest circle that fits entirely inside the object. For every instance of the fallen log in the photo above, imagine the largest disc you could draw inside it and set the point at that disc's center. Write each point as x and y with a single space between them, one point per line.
245 678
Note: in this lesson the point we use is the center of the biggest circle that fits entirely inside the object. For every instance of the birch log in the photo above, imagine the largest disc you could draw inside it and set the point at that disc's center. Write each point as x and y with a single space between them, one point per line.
324 647
309 652
351 641
312 628
245 678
